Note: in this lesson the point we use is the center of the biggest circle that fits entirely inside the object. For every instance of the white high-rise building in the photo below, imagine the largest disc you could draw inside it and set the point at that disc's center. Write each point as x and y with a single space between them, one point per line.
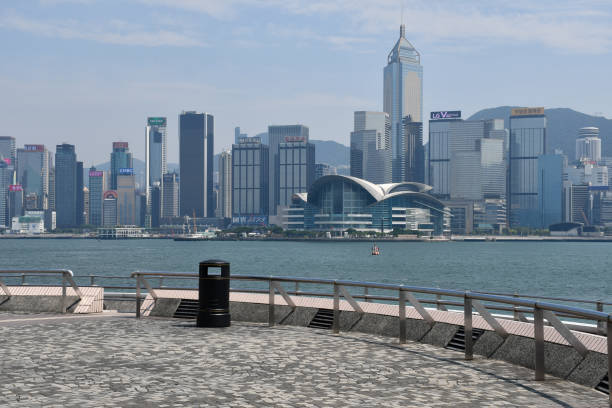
402 95
371 147
588 145
156 166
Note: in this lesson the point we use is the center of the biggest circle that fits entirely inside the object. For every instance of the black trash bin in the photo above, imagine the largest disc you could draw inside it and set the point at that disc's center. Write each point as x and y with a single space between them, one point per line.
214 295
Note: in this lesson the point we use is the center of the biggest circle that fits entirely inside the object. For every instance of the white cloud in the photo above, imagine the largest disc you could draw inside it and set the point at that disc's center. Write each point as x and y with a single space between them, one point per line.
114 32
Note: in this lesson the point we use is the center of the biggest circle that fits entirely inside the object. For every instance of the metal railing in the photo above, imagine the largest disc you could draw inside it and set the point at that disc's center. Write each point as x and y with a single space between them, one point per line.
67 276
471 300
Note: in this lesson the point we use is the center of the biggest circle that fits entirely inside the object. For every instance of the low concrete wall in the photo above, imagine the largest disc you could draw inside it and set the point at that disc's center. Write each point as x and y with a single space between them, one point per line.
36 304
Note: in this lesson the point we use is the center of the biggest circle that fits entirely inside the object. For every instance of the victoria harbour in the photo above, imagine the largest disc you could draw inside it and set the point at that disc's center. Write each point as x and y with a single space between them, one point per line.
557 269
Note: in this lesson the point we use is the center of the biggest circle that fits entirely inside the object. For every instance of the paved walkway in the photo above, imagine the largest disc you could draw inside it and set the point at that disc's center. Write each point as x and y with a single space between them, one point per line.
118 361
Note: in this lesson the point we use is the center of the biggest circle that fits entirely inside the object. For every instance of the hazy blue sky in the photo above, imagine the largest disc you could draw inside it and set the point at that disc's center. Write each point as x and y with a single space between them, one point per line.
89 72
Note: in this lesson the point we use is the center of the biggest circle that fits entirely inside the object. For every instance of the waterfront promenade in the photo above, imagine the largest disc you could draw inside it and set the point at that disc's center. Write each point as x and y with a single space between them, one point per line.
112 359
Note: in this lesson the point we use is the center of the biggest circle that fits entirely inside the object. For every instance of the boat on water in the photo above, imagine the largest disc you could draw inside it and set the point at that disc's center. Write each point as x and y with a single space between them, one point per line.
198 236
375 250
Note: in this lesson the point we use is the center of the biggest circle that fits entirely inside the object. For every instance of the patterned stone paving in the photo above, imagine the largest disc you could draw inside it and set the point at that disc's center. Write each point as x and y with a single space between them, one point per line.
151 362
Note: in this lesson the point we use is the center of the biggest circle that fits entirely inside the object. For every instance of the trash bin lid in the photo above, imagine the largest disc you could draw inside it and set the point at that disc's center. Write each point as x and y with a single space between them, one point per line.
214 262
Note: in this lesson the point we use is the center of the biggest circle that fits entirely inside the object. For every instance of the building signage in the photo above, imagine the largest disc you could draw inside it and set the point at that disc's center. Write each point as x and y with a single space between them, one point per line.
156 121
120 145
110 194
527 111
126 171
15 187
7 161
289 139
96 173
34 148
250 220
445 115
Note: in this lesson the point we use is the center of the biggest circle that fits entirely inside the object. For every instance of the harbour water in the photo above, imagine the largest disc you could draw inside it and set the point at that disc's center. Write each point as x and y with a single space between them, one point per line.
562 269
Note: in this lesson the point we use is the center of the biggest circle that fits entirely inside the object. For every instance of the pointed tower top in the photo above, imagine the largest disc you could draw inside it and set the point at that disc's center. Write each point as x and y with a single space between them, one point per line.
402 31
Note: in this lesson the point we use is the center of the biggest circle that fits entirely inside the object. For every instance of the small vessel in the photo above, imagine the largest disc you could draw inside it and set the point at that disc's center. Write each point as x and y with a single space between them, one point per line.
375 250
195 235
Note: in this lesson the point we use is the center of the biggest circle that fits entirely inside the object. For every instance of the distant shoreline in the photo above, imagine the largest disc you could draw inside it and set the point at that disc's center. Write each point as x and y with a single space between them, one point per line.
327 240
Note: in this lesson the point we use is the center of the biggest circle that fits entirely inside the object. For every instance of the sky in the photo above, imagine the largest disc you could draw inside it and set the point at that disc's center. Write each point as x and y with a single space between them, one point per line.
89 72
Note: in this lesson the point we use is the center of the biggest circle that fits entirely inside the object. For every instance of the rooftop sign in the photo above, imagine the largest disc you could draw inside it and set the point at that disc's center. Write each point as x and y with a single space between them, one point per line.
126 171
156 121
110 194
527 111
15 187
445 115
34 148
120 145
96 173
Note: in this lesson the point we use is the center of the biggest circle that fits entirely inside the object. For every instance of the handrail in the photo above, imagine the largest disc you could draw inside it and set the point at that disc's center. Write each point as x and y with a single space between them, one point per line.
67 275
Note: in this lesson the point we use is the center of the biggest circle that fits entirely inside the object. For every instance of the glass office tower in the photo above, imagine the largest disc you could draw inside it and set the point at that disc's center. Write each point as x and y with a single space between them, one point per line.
155 161
403 95
527 143
121 158
66 186
33 164
371 147
196 147
250 182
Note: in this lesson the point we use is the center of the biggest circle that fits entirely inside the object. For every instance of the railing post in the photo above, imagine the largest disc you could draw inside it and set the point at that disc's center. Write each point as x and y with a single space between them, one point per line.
23 278
336 322
609 357
438 301
271 304
402 317
297 288
365 294
92 278
63 293
600 323
138 296
467 325
515 308
538 331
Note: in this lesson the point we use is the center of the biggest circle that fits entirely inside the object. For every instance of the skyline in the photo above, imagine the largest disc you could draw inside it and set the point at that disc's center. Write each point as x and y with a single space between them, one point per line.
92 73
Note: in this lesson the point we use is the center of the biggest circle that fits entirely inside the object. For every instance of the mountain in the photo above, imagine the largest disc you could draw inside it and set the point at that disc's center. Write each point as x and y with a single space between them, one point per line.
330 152
562 127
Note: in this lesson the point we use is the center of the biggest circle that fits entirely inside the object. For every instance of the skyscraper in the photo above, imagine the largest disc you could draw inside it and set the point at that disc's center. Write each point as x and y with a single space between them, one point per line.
238 135
588 145
250 182
155 159
550 189
403 94
527 143
126 197
33 174
324 169
85 220
412 160
296 169
278 134
371 147
439 152
66 195
8 149
96 191
170 196
81 210
6 174
225 185
109 209
196 147
15 202
121 158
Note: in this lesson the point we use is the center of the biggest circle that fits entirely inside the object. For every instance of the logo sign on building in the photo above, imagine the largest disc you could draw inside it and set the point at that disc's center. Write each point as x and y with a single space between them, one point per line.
120 145
156 121
128 171
527 111
15 187
110 194
290 139
7 161
34 148
96 173
250 220
445 115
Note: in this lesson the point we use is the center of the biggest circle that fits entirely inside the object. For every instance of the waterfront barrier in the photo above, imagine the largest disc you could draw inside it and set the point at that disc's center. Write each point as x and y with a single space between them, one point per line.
566 341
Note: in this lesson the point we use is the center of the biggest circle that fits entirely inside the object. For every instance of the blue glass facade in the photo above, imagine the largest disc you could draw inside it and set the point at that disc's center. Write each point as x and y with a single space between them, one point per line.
527 143
550 189
337 203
